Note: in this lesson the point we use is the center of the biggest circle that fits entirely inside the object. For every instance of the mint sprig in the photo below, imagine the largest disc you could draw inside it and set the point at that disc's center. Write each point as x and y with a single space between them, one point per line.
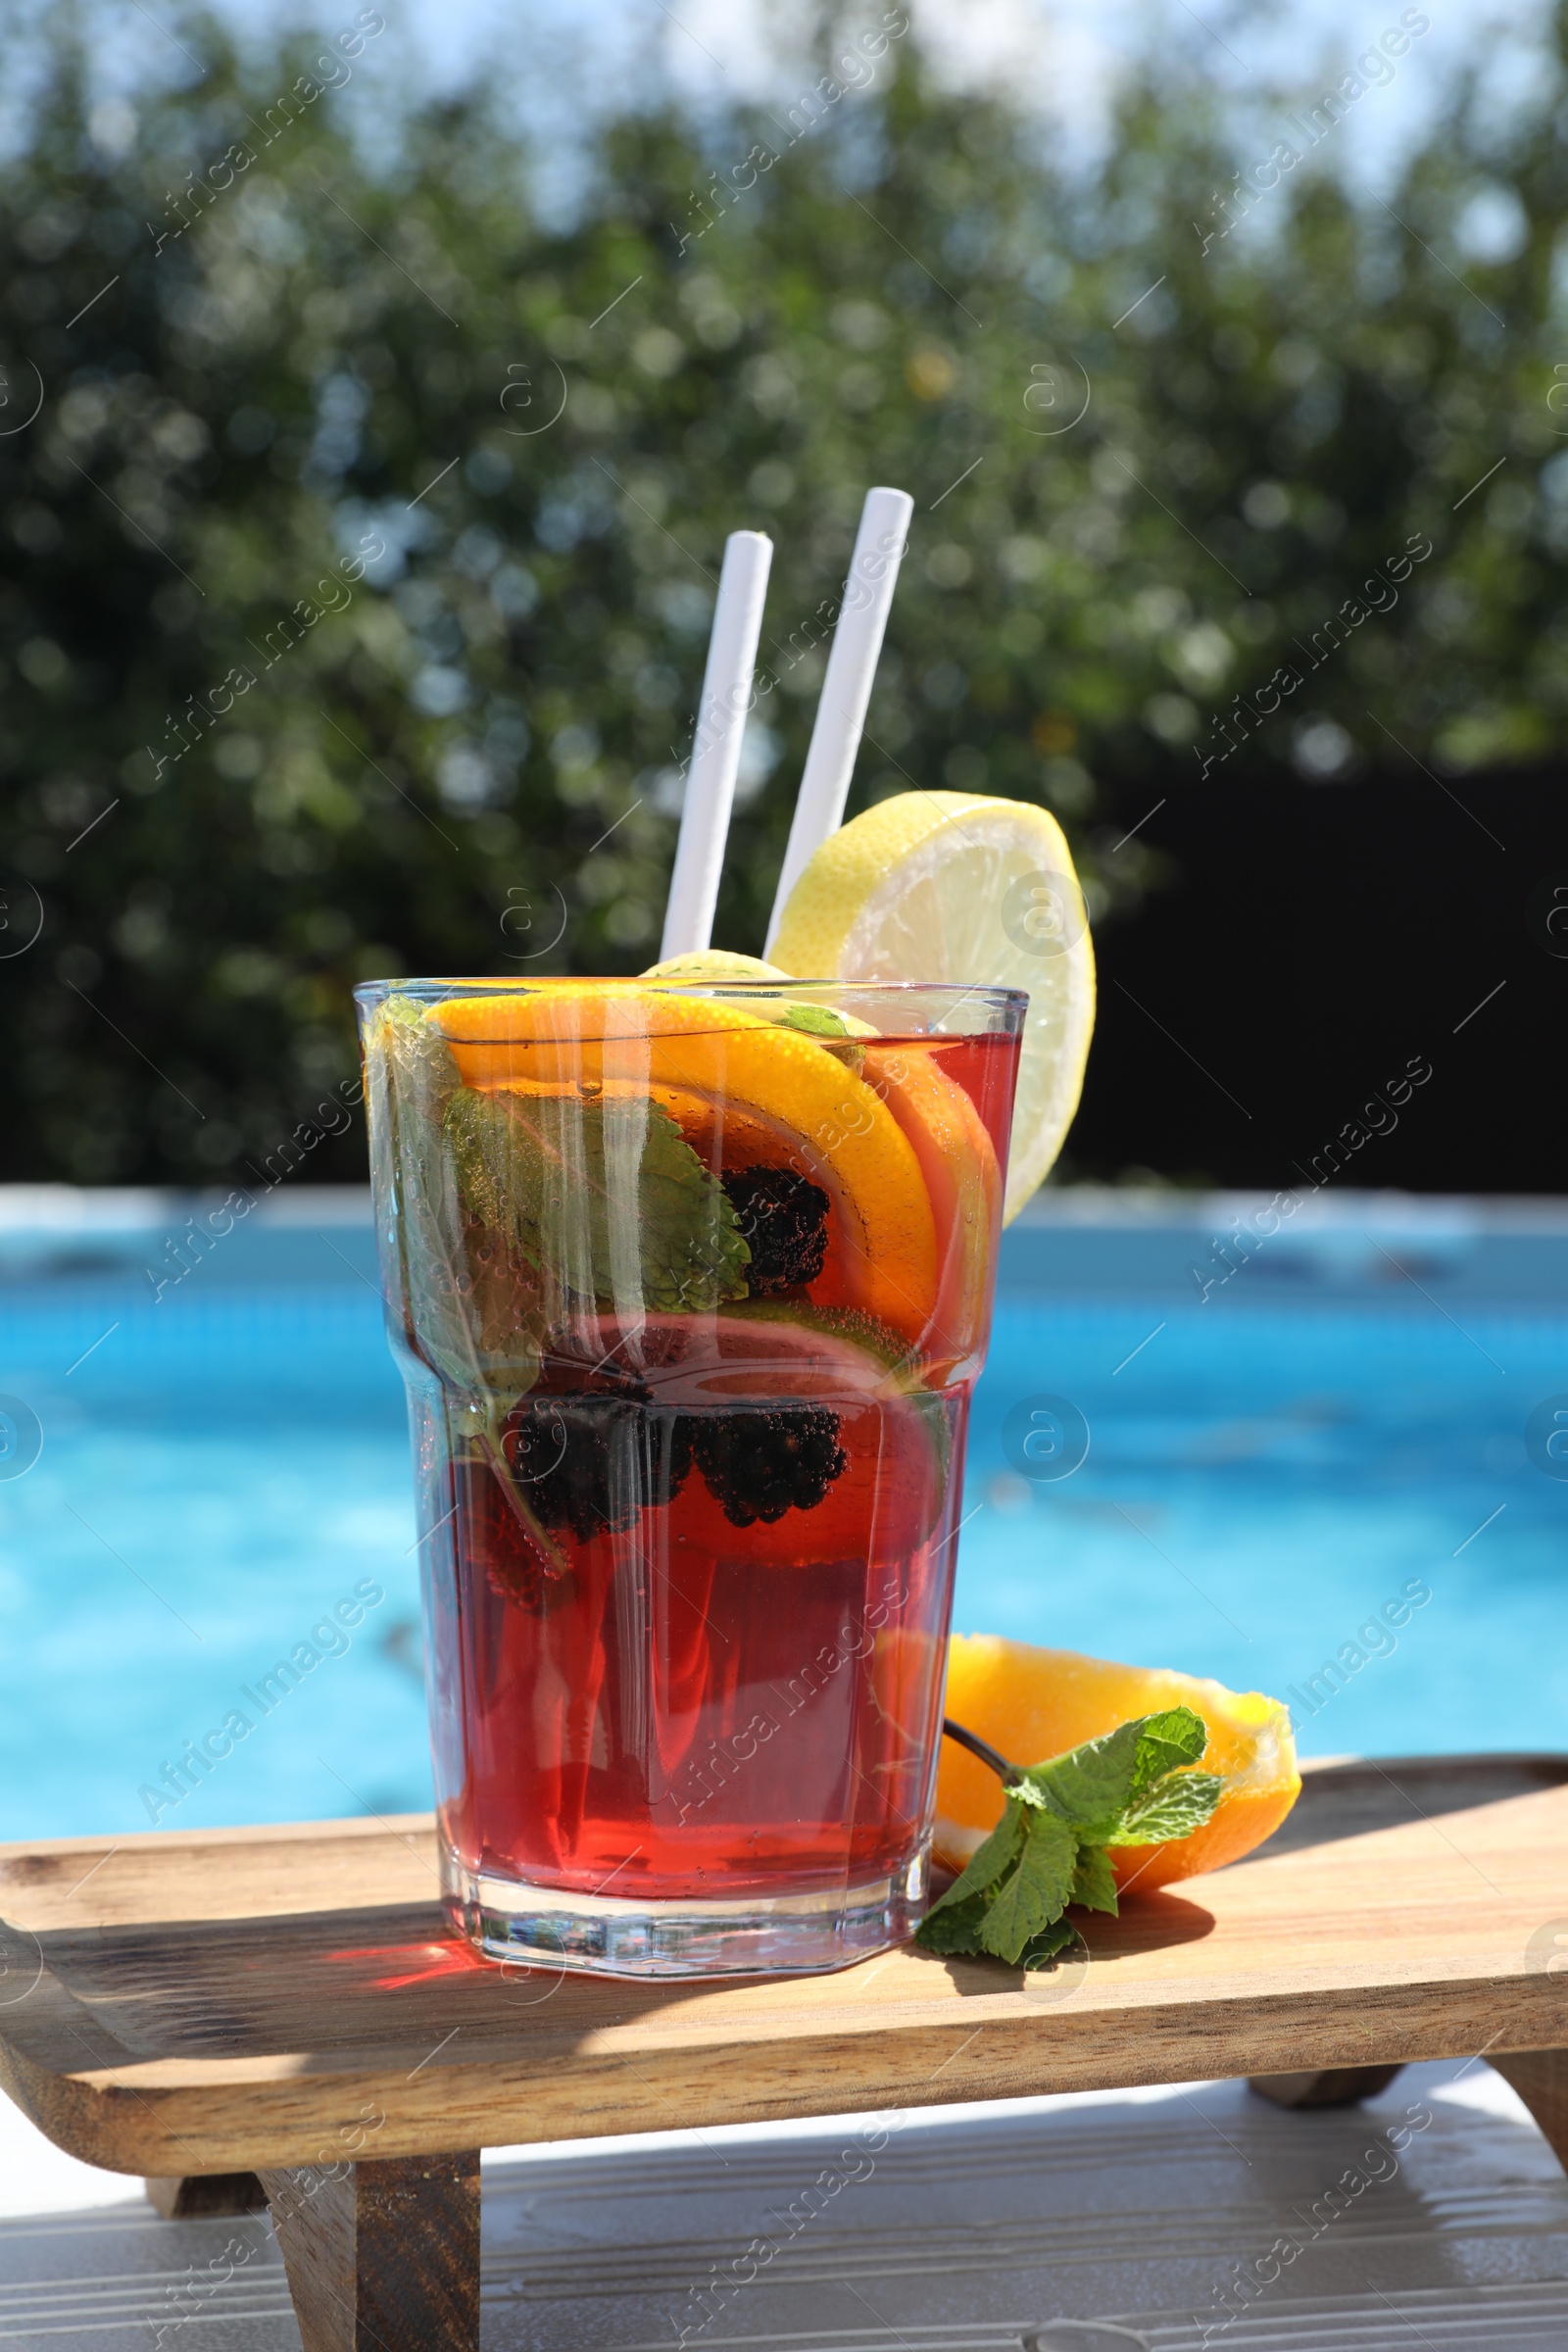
467 1323
605 1200
464 1318
1134 1786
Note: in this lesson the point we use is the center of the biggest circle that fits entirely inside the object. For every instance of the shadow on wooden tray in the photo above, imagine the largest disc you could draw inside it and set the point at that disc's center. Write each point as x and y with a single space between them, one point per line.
1349 1797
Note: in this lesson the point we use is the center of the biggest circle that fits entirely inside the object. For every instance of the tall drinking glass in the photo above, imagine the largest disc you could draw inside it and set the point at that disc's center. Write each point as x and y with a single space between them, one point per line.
690 1285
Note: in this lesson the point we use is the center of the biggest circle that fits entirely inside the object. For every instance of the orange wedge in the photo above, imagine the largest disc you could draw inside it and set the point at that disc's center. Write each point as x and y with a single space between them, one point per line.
1032 1703
959 1162
709 1062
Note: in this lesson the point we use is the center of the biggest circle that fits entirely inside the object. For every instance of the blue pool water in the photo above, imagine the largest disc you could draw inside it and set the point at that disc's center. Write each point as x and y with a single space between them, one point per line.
226 1466
1259 1486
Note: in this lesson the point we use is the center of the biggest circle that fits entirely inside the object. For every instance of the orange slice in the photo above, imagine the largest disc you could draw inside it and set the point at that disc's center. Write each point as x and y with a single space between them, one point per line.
563 1032
959 1162
1032 1703
706 1061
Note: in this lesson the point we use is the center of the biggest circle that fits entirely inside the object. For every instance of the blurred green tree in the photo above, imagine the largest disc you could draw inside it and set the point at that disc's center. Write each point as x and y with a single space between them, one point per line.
355 570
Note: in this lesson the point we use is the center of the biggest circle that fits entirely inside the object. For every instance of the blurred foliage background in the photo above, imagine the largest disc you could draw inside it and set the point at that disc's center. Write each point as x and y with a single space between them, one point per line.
470 757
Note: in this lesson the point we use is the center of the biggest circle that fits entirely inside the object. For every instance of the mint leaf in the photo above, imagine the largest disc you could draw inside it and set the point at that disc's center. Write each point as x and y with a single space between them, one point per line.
1090 1784
1094 1882
1175 1738
817 1020
605 1200
1006 1894
474 1322
956 1930
1034 1896
835 1032
1040 1951
1175 1806
412 1074
986 1865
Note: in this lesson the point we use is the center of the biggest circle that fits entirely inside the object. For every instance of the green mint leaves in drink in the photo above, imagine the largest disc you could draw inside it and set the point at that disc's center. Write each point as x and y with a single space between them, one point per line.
816 1021
605 1200
478 1326
1134 1786
469 1321
834 1031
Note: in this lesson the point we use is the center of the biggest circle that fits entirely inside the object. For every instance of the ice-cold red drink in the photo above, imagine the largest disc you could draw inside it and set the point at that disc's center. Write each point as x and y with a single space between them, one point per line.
691 1291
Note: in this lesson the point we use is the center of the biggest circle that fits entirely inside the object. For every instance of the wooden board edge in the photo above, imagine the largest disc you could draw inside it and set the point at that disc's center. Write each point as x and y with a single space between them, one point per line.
65 2110
204 2129
1483 1761
271 1833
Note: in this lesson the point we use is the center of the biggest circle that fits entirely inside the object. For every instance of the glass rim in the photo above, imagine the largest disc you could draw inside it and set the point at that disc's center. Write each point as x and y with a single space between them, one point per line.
375 992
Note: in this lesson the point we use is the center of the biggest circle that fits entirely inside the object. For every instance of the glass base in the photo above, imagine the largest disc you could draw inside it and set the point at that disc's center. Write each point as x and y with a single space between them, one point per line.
750 1935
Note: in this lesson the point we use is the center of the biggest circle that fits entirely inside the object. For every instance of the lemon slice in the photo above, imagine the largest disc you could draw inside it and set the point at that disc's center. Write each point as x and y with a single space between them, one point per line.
949 886
718 964
713 963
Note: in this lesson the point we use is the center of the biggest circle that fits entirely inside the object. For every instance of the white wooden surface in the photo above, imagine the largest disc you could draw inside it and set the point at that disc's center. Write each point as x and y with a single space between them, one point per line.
973 2226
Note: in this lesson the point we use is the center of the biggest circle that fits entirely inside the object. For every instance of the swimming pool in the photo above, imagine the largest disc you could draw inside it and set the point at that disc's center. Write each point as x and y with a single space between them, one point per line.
223 1482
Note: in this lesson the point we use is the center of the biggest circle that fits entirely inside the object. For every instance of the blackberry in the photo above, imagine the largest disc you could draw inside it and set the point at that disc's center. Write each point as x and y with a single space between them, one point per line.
783 1219
592 1463
760 1461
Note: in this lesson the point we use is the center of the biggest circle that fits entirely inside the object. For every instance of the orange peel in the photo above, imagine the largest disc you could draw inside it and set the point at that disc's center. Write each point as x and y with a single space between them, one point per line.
1031 1703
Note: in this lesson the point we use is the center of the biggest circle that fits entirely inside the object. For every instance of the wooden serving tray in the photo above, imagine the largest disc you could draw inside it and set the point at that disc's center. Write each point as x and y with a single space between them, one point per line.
288 2005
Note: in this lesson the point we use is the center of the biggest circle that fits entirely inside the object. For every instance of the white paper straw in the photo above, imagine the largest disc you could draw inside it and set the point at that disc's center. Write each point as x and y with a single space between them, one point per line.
717 749
851 662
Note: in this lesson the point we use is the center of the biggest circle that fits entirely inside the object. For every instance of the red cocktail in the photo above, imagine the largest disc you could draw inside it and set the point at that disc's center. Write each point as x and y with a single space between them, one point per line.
690 1286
